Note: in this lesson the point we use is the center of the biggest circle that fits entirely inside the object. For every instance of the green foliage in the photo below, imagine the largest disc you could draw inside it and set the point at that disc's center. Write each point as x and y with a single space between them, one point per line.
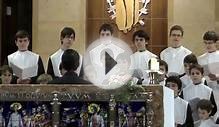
125 92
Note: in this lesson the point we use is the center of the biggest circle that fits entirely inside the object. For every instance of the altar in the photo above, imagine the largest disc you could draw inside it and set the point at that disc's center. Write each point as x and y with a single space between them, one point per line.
86 106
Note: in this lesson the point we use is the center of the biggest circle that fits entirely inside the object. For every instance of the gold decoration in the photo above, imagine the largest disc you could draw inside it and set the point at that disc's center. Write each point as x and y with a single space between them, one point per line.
127 12
91 108
16 105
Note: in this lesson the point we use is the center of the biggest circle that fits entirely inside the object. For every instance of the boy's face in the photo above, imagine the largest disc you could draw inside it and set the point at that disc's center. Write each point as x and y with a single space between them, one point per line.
105 33
164 71
22 43
140 42
174 87
186 67
203 114
16 107
6 77
67 41
196 76
175 38
210 45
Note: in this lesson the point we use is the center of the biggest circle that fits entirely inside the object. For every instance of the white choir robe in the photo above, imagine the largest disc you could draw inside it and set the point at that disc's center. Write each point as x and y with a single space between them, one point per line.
193 93
54 63
174 58
182 112
186 80
211 61
25 59
139 61
168 107
206 123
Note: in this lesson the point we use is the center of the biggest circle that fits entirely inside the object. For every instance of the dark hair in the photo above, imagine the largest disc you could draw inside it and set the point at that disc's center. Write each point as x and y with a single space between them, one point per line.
210 35
205 104
174 79
163 63
22 34
176 27
191 58
5 68
106 27
140 33
70 60
67 31
196 66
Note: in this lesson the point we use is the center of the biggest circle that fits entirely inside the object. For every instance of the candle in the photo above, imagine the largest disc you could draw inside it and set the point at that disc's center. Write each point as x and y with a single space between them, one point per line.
154 64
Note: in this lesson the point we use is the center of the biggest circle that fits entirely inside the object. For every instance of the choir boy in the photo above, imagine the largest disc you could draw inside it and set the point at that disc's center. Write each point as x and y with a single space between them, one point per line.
67 38
182 109
196 91
175 54
23 58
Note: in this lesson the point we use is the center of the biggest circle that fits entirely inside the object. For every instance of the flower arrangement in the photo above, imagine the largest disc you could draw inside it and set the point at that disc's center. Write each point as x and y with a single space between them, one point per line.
125 92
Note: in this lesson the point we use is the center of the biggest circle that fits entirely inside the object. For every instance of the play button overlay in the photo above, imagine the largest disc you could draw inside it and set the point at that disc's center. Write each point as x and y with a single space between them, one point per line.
107 63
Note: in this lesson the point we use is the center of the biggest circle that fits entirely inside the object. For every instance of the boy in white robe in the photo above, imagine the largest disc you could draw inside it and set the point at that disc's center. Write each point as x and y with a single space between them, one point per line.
210 62
182 110
188 61
140 59
204 110
196 91
105 43
23 58
67 38
175 54
210 59
164 69
97 55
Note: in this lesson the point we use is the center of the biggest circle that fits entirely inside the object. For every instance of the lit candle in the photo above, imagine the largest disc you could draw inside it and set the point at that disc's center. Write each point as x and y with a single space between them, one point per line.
154 64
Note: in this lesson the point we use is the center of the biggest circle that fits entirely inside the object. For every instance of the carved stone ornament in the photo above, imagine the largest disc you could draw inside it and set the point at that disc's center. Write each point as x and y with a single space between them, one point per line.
127 13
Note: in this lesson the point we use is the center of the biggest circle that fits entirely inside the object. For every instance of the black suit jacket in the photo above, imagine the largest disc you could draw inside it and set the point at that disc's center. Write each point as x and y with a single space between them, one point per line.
69 77
50 69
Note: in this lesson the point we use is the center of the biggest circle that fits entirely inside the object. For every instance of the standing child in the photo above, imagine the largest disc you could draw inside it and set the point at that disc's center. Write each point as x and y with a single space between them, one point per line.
210 59
182 110
188 61
204 110
23 58
175 54
140 59
67 39
164 69
210 62
193 93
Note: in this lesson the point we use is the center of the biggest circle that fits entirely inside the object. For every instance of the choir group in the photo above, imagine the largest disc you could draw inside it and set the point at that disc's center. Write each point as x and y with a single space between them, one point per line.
194 80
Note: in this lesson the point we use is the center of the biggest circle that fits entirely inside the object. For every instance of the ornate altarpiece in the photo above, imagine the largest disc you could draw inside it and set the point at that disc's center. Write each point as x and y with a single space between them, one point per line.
59 96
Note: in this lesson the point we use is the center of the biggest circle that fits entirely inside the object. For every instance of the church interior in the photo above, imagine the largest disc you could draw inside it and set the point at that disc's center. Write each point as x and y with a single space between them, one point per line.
139 105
